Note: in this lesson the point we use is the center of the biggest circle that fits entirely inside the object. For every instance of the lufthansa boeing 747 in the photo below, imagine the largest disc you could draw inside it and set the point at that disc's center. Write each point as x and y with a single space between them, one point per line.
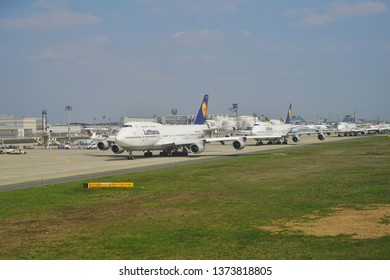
169 139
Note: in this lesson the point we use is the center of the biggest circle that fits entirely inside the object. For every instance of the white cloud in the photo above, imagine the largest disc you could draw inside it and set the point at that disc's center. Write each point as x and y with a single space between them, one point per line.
178 35
299 12
334 11
207 58
365 8
50 20
196 38
246 33
100 39
315 20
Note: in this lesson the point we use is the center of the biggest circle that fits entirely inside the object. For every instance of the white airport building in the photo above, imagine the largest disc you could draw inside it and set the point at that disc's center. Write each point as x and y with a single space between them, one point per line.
11 127
27 127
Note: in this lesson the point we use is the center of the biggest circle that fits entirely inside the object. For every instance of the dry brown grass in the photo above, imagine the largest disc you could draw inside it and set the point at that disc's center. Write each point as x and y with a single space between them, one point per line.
368 222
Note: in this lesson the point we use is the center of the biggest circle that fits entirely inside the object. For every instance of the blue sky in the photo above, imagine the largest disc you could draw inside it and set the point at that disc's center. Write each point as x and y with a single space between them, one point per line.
146 57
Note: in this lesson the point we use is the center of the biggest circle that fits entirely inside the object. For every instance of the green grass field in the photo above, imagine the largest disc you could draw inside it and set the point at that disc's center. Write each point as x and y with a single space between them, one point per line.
214 210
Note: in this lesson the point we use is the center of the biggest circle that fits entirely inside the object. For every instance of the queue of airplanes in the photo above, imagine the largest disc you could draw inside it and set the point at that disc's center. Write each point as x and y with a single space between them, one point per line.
277 132
351 129
173 140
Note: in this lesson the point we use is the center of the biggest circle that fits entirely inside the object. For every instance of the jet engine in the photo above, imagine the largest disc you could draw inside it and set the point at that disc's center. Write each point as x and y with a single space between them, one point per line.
116 149
197 148
296 138
239 144
103 145
321 137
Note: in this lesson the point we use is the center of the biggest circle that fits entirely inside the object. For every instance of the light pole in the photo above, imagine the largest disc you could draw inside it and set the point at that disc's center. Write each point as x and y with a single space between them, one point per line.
174 113
68 108
234 109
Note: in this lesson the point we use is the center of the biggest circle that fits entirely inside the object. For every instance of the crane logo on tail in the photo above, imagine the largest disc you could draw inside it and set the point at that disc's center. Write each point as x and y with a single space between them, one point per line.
204 109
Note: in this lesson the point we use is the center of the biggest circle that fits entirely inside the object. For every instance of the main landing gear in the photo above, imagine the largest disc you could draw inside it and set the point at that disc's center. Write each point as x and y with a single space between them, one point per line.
271 142
164 153
146 154
174 153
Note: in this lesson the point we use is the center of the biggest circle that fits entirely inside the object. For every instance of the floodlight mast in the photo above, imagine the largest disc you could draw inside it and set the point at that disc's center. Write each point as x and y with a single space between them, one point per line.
68 108
45 134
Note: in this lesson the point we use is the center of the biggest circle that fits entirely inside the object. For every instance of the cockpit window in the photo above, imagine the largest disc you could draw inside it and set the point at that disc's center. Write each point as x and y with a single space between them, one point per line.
127 125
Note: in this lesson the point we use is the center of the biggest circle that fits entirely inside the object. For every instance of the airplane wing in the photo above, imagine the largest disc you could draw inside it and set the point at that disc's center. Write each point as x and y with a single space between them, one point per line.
170 143
179 143
110 138
304 131
223 139
92 135
298 132
197 140
263 137
238 141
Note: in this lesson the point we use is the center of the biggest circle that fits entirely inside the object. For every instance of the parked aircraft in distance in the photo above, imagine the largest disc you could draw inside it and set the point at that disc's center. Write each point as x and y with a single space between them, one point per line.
95 137
378 128
169 139
273 131
100 139
277 132
349 129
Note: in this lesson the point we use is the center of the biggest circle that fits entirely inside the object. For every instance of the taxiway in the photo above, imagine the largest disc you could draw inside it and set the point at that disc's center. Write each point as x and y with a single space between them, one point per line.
50 166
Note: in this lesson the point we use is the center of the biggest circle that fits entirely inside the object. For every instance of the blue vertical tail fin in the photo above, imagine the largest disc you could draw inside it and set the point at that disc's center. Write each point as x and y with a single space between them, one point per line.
202 113
289 115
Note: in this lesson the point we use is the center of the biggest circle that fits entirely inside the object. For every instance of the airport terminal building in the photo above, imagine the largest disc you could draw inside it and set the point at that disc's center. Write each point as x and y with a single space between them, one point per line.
28 127
11 127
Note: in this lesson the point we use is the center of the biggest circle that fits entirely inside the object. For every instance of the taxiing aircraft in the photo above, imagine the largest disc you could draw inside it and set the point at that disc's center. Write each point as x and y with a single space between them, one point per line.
93 136
101 139
274 132
306 129
169 139
277 132
349 129
378 129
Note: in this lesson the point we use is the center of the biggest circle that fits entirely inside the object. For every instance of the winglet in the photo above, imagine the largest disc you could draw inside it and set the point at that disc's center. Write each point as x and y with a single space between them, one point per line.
202 113
289 115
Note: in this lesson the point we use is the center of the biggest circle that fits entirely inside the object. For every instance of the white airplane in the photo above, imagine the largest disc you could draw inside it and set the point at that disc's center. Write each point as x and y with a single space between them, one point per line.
169 139
278 132
99 138
274 133
378 129
92 135
349 129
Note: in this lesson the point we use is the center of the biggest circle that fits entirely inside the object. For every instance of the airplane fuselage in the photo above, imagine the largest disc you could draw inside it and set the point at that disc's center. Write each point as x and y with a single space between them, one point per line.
343 126
268 129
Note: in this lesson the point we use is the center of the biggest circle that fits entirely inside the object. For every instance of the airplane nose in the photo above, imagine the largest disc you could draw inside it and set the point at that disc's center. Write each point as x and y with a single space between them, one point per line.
120 139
